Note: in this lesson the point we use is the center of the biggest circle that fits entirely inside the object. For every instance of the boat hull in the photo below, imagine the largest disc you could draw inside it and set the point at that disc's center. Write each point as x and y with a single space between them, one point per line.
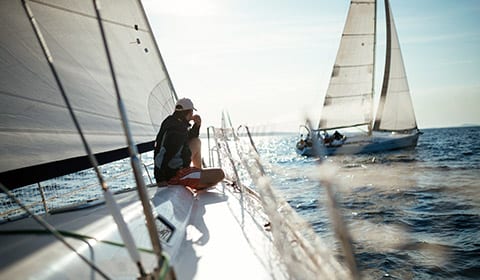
366 145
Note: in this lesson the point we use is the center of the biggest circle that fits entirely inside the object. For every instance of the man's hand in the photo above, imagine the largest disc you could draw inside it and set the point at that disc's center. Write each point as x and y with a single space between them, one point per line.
197 120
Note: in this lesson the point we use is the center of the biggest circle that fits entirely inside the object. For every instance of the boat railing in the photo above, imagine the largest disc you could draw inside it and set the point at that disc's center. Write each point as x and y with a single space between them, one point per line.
306 256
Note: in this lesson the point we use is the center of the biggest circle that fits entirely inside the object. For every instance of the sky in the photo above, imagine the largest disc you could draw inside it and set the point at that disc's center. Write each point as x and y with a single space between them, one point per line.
268 62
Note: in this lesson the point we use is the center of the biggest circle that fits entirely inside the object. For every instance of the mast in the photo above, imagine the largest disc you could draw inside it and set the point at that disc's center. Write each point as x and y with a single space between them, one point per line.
373 67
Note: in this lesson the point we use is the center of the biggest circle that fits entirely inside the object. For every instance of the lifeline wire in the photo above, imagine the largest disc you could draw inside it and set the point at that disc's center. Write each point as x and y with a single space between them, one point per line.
51 229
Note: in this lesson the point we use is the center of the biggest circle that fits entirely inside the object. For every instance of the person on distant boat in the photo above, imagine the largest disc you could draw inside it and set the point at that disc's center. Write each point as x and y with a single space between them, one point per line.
327 139
177 153
334 140
325 134
308 141
337 139
337 135
301 143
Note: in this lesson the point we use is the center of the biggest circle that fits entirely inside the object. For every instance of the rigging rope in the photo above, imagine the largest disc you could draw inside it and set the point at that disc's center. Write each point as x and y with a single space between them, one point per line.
340 228
131 146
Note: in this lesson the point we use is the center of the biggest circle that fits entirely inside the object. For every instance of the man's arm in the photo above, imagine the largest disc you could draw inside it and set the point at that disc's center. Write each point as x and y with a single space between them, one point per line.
194 132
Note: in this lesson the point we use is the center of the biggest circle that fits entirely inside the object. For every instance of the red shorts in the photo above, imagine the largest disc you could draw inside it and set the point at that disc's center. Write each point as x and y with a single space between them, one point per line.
189 176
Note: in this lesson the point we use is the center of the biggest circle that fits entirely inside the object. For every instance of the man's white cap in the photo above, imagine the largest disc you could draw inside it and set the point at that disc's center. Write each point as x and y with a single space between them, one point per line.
184 104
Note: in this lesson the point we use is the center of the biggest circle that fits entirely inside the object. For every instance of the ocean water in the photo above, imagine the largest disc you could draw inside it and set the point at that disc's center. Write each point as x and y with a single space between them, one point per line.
412 214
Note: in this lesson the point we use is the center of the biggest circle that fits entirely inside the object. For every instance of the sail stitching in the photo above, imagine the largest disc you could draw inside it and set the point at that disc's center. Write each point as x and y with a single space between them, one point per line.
357 34
353 65
346 96
54 131
90 113
84 14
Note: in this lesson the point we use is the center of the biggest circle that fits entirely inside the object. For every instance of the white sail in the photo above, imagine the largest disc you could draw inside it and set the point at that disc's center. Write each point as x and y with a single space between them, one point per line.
395 111
348 101
35 127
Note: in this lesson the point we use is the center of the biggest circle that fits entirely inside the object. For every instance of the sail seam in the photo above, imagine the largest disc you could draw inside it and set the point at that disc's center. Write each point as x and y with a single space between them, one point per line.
91 113
363 2
45 131
353 65
347 96
357 34
84 14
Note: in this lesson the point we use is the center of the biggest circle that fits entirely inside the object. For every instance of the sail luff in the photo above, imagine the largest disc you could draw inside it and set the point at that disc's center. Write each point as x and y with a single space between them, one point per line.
348 100
159 53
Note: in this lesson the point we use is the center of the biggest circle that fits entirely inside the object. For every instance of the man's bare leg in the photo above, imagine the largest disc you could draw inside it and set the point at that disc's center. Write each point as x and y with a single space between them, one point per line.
196 148
209 176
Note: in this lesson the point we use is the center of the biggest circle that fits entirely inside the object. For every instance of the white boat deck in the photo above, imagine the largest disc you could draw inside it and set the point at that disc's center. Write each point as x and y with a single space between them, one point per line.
224 242
213 237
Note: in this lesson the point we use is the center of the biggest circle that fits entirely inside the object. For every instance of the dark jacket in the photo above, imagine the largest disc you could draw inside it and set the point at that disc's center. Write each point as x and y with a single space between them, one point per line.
172 151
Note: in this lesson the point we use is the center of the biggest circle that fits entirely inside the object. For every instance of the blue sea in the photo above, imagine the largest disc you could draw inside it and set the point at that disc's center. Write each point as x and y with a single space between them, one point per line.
412 214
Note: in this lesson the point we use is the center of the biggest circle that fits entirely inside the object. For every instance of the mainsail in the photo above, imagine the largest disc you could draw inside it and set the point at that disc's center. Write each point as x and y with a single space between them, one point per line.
348 101
37 137
395 109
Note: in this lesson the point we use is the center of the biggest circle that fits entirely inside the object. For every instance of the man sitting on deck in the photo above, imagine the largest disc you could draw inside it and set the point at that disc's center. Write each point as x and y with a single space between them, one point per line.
177 147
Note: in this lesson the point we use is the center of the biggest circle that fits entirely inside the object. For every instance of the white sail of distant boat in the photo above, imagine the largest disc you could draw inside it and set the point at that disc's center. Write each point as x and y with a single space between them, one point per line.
82 83
349 100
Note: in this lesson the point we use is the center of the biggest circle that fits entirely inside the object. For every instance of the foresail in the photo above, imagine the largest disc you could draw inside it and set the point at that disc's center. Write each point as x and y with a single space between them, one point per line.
38 139
395 110
348 101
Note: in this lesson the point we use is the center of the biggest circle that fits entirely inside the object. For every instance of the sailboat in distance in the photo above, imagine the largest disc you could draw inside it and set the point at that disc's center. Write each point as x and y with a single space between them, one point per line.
349 100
